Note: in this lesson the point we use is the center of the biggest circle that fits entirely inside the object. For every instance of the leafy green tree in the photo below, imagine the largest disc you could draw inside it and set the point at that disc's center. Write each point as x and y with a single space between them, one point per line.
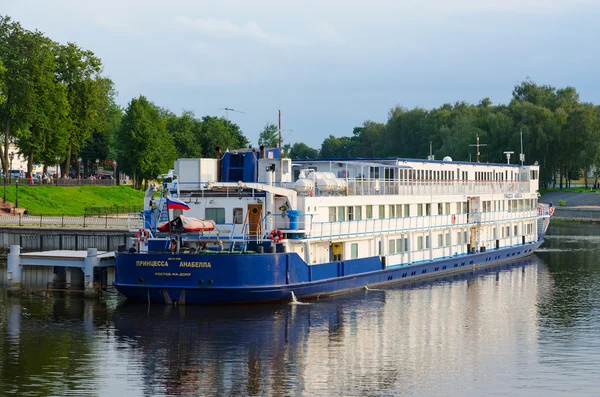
90 95
46 134
218 132
269 136
301 150
145 148
185 130
18 54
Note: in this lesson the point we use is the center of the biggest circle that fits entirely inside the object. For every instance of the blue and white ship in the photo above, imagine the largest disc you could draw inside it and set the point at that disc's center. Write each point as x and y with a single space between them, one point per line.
315 228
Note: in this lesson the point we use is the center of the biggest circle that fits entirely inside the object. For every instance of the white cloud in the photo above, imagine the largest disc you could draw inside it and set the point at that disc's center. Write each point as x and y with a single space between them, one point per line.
227 29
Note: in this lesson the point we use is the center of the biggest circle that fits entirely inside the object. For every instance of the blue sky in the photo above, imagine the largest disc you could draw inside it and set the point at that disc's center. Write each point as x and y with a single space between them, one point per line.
329 65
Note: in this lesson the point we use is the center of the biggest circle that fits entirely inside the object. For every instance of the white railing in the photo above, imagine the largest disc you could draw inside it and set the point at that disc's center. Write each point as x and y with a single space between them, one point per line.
344 229
129 221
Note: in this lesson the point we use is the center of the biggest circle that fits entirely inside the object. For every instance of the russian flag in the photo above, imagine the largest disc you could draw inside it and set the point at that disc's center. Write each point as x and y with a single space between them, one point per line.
176 204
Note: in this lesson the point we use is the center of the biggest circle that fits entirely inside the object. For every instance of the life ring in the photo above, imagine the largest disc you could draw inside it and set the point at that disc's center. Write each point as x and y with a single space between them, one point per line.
142 234
551 211
276 235
453 218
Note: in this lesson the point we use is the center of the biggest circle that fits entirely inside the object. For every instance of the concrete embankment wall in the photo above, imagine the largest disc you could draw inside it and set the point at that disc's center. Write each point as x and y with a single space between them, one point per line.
574 213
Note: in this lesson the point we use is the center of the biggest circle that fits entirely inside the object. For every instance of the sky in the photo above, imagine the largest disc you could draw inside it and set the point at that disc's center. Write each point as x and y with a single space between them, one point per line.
329 65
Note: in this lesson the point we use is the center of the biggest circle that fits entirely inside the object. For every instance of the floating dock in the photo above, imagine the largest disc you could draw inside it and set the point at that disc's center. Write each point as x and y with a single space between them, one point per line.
85 271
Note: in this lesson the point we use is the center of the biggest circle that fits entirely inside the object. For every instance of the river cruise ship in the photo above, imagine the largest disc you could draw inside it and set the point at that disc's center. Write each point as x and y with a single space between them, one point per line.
249 226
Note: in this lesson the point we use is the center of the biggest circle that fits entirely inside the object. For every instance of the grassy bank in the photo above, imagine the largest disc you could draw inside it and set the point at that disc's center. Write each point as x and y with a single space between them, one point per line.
55 200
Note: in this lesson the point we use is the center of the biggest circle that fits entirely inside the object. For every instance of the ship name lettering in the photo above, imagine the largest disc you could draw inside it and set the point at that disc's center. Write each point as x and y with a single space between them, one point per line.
194 264
152 263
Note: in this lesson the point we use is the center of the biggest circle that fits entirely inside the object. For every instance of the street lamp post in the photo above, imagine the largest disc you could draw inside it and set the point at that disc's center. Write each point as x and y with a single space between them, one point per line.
79 169
11 156
57 158
17 194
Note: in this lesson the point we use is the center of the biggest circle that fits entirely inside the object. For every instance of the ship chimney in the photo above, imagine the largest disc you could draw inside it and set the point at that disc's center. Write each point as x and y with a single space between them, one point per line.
262 151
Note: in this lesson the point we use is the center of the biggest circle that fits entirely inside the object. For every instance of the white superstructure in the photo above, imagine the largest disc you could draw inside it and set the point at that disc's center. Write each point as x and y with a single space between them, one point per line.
405 211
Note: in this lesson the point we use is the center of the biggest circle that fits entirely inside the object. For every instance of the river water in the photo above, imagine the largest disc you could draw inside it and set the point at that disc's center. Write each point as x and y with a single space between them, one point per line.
527 328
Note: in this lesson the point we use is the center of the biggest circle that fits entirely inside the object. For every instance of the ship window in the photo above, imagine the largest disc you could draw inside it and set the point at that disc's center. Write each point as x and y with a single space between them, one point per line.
381 211
392 211
407 210
369 212
341 213
448 208
419 209
420 243
357 213
354 250
398 210
238 216
427 243
440 240
332 214
458 237
350 213
447 239
216 214
400 245
507 231
428 209
516 230
440 208
391 246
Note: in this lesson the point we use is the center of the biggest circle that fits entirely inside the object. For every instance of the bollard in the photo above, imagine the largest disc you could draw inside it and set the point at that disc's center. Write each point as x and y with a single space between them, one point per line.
91 261
14 269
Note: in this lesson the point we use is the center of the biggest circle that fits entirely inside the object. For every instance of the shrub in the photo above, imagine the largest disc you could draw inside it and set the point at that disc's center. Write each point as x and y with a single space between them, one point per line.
562 203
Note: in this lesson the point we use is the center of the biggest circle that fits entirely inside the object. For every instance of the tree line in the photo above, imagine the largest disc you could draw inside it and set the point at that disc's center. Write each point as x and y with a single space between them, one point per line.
56 106
559 132
56 103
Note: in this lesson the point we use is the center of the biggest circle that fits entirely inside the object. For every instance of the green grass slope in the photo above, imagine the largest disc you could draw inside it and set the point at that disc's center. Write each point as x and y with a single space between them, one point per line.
56 200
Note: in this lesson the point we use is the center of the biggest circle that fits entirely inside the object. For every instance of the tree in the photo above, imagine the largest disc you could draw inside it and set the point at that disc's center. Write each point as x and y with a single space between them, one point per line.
18 54
301 150
46 133
89 94
269 136
185 130
145 148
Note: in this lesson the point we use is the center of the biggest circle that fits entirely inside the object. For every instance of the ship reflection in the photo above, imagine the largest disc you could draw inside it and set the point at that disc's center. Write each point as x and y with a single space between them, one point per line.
292 349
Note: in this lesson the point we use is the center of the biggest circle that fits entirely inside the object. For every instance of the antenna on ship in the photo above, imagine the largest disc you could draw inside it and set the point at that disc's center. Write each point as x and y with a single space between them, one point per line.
279 116
522 155
508 156
430 157
478 145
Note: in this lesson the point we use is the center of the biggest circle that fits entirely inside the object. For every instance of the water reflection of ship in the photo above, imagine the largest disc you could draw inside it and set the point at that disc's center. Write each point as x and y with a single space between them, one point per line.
286 349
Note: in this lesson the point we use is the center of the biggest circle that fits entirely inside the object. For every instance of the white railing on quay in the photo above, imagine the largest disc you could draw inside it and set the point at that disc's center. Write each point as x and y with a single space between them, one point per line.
92 222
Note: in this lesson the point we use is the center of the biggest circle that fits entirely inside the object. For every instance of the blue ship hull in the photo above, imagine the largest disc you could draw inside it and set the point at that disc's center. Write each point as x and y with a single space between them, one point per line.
253 278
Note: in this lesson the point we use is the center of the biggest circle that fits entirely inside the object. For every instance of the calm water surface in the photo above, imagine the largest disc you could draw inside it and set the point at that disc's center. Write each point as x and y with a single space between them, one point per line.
528 328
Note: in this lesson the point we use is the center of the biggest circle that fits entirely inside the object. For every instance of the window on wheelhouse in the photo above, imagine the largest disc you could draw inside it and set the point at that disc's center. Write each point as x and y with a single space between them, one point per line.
216 214
238 216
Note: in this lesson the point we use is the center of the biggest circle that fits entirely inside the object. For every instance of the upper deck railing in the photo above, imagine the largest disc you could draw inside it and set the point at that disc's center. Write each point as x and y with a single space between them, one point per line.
360 187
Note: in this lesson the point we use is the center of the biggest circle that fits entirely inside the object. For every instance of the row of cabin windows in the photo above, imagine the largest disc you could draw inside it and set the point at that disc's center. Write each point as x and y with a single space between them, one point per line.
400 245
355 213
218 215
433 175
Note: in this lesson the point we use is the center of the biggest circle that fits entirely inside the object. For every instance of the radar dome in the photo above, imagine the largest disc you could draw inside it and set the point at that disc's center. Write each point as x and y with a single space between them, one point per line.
447 158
